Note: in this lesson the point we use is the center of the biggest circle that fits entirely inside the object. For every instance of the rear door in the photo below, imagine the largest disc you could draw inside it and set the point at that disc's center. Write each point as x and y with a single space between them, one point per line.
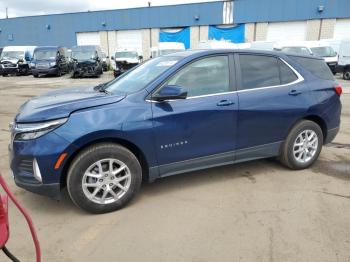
272 96
199 131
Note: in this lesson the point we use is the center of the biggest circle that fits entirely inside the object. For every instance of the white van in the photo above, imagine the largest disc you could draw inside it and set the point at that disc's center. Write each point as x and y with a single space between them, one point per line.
16 60
125 59
342 47
324 50
165 48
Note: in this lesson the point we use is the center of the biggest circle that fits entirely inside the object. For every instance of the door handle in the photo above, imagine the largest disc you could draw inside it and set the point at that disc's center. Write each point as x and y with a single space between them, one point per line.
225 103
294 92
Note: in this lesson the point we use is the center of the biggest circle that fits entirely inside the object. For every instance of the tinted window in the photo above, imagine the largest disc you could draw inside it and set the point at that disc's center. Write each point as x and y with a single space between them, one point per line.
287 74
203 77
317 67
259 71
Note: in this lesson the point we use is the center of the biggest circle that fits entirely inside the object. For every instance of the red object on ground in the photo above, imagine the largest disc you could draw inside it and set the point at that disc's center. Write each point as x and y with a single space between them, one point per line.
4 223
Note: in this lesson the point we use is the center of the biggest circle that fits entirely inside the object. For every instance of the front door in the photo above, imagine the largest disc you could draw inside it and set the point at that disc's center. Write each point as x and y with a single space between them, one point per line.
199 131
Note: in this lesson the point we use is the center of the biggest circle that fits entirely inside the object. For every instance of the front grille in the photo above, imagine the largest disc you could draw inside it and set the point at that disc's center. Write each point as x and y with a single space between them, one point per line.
42 66
26 165
9 65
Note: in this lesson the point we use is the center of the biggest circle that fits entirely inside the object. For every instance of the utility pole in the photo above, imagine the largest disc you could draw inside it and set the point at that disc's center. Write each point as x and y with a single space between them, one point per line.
7 13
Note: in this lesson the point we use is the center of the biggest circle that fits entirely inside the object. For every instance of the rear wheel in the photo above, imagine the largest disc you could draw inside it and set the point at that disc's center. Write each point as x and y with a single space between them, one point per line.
104 178
302 146
36 75
346 74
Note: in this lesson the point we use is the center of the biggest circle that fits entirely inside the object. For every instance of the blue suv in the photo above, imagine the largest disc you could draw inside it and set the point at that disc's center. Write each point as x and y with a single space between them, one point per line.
173 114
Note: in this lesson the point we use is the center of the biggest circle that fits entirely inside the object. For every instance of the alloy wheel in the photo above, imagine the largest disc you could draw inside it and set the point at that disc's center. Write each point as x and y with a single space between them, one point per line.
106 181
305 146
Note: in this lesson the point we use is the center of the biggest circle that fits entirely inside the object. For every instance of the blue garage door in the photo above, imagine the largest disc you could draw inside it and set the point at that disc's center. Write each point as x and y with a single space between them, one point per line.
235 34
176 35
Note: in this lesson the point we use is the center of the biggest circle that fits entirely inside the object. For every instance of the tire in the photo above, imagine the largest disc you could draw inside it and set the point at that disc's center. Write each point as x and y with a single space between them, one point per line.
290 156
59 73
85 163
4 75
346 74
36 75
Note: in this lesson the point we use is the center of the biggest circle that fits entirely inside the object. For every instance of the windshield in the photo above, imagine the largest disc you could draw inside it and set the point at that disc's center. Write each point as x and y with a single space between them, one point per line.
300 50
168 51
142 75
83 54
323 51
45 54
11 55
126 54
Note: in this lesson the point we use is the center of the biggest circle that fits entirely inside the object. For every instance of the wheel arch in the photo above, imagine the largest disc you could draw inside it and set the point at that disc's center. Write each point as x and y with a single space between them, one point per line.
321 122
123 142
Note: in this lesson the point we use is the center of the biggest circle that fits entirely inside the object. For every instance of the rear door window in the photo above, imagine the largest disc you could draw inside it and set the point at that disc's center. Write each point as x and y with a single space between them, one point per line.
259 71
264 71
317 67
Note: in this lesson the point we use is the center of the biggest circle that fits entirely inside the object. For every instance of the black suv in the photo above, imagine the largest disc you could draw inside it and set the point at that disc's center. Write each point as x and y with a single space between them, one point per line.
86 61
49 60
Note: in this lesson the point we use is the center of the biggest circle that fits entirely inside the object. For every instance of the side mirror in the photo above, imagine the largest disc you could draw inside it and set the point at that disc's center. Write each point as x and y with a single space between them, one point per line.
107 57
170 92
140 57
112 57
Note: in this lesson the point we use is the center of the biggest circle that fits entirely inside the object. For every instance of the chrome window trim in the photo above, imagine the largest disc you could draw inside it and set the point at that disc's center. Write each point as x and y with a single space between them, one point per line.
299 76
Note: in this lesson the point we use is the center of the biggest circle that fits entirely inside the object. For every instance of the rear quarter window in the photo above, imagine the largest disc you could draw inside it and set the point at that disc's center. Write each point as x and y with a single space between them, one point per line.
317 67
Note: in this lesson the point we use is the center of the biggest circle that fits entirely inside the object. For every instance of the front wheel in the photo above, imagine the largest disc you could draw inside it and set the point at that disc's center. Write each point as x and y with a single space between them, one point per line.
104 178
302 146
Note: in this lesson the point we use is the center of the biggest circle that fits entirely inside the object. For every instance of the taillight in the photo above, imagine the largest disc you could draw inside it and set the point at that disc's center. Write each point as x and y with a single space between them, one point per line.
338 89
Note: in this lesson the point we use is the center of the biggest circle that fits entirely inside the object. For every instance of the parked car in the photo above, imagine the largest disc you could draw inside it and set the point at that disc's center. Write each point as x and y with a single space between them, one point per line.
86 61
264 45
15 60
124 60
165 48
105 61
49 60
343 49
173 114
215 44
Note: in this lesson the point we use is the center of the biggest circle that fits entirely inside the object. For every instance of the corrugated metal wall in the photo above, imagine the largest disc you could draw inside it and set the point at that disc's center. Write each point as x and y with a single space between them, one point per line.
61 29
249 11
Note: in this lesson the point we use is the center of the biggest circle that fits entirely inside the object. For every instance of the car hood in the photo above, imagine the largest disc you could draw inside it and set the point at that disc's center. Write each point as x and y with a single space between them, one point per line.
9 61
61 103
86 62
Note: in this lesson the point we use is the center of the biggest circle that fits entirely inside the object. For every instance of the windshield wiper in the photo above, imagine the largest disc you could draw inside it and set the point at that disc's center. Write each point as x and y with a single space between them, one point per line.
102 88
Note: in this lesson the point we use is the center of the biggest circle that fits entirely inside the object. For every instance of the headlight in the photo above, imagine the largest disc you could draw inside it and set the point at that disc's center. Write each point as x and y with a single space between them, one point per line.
52 63
35 130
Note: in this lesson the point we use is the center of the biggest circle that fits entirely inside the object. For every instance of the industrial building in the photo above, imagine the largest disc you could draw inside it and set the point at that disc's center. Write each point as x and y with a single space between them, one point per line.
141 28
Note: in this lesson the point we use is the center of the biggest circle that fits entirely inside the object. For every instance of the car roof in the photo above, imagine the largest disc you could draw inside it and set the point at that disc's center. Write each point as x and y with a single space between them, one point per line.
203 52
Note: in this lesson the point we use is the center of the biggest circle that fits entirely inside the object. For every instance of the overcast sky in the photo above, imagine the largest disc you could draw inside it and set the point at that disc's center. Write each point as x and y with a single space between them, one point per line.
40 7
